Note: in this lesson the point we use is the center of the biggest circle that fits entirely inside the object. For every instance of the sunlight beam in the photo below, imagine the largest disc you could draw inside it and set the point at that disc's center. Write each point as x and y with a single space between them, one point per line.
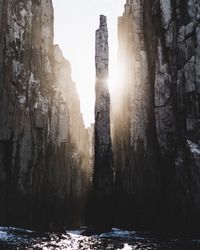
75 25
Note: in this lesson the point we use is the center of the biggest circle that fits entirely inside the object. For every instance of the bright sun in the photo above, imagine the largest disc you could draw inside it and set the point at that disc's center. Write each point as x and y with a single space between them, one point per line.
77 41
113 77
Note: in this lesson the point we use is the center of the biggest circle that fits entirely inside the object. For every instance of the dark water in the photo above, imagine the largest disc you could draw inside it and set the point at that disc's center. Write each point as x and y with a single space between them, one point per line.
14 238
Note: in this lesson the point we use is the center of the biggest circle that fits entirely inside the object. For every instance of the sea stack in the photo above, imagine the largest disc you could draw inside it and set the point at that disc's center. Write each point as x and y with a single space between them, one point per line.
103 171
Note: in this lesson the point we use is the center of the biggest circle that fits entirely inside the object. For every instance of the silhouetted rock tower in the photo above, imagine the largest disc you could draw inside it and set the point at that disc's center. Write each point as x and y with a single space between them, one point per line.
103 172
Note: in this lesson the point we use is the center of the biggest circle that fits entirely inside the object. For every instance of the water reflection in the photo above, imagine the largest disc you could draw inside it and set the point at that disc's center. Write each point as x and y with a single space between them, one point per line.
15 238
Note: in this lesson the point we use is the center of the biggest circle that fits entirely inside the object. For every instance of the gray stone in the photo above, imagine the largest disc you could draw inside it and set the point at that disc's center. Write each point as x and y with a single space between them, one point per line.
45 163
158 113
103 171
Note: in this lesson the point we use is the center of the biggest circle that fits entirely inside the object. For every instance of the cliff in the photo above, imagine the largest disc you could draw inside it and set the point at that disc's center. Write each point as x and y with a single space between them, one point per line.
45 150
43 143
156 125
133 124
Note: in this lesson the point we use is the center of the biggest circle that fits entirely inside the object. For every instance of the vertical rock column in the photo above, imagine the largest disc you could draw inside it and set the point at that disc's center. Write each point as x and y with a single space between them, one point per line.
103 172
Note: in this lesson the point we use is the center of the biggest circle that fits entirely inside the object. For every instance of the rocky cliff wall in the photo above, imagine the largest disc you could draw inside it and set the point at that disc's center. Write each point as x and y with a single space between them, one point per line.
42 150
137 173
156 149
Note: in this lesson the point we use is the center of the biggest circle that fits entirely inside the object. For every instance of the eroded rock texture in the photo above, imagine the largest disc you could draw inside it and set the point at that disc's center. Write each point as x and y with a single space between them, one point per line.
42 154
156 125
134 131
103 172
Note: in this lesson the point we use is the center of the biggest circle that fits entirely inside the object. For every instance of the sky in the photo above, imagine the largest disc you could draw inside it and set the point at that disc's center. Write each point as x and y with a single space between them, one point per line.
75 22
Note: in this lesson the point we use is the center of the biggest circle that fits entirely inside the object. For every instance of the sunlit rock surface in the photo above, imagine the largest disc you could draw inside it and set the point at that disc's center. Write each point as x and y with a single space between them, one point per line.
103 172
44 151
156 123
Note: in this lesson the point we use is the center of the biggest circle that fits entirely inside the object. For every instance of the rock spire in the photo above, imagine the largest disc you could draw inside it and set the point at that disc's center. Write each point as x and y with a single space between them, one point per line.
103 173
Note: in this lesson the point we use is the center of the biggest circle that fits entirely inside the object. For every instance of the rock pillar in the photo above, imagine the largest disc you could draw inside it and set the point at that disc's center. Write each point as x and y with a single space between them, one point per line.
103 173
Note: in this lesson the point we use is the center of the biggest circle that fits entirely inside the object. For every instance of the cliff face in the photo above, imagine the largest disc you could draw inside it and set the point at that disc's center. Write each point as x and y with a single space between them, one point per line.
133 124
69 156
177 107
103 173
157 156
41 150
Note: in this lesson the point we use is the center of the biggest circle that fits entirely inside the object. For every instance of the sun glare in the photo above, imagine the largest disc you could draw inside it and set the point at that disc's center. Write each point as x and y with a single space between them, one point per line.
116 78
113 80
74 31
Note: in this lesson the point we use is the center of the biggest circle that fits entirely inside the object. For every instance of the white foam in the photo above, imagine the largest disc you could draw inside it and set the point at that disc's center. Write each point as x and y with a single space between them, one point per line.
195 149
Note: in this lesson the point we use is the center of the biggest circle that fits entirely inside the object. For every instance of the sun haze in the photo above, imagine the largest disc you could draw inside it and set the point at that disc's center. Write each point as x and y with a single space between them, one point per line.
74 30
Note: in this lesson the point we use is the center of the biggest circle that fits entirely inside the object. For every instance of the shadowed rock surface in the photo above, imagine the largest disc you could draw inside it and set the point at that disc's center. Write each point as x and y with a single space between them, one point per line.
156 124
134 130
44 147
44 151
103 172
